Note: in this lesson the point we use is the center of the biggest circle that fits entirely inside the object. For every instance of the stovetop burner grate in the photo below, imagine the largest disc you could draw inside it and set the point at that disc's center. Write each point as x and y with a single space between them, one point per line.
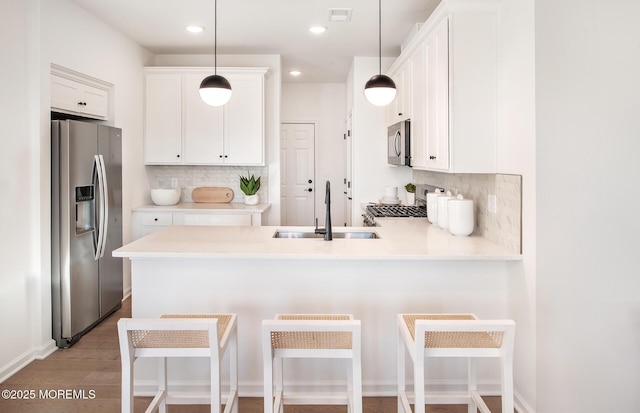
396 211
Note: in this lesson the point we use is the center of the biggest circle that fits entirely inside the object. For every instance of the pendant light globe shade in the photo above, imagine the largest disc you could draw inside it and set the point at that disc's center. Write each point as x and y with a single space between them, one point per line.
380 90
215 90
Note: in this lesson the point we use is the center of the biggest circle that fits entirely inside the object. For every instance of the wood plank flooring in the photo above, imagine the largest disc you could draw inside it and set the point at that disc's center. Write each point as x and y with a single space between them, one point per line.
91 368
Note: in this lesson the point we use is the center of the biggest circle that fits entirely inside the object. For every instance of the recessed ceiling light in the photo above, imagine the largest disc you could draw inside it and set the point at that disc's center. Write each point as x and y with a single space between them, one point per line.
295 73
317 29
195 29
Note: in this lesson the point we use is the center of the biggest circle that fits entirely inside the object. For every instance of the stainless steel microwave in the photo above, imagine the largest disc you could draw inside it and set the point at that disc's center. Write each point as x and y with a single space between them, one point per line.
399 143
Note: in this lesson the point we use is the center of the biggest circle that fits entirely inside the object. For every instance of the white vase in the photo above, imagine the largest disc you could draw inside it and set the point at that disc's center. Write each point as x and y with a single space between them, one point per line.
411 198
251 199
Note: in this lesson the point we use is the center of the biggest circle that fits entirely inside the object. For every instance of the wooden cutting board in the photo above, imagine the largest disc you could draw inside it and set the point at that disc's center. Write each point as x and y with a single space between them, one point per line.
212 194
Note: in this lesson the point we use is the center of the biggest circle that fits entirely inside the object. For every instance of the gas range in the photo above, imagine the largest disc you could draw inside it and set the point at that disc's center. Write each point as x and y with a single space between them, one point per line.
373 211
391 211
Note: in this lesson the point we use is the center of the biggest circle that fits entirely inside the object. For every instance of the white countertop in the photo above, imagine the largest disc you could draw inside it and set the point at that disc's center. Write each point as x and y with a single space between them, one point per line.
229 207
400 239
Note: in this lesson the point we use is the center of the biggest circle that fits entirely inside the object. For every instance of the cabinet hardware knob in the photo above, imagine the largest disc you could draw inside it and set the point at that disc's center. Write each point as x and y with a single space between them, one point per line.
399 114
155 219
309 181
220 156
432 157
226 156
310 189
178 155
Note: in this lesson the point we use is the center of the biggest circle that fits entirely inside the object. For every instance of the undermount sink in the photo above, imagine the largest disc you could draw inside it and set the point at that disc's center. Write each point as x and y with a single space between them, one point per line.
311 234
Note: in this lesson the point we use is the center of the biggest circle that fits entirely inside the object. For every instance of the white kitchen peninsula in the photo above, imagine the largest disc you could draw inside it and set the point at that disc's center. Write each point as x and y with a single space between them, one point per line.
412 267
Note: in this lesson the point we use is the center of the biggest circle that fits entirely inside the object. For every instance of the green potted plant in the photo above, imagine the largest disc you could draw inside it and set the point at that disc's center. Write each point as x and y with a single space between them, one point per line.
250 187
411 193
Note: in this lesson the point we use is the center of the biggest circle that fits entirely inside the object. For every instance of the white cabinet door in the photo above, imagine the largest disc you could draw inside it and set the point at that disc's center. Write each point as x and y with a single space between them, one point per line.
163 118
437 92
203 125
244 120
419 109
400 108
73 97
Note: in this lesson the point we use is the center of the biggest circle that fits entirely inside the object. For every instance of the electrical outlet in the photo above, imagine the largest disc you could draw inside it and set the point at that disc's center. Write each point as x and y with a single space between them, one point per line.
492 204
174 182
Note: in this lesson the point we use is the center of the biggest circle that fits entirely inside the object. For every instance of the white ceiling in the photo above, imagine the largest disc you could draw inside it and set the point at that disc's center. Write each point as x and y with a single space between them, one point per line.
268 27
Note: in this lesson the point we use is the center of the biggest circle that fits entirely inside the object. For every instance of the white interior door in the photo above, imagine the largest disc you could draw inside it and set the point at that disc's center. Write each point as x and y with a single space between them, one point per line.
297 163
348 184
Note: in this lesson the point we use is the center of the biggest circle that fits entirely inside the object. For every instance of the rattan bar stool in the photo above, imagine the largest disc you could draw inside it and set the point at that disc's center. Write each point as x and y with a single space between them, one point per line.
334 336
453 335
180 335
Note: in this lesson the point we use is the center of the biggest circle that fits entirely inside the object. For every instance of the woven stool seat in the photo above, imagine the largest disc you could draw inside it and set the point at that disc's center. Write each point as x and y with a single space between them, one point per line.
310 336
453 335
180 335
311 339
453 339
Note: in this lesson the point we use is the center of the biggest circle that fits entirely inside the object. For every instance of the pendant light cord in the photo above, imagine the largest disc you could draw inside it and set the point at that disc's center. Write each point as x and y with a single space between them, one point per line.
379 36
215 37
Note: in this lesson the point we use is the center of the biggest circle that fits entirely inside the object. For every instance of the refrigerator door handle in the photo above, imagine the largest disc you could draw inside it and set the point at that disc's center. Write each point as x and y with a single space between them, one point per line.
99 172
105 205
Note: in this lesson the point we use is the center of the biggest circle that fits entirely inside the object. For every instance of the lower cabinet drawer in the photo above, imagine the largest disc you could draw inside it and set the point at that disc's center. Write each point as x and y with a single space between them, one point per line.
217 219
162 218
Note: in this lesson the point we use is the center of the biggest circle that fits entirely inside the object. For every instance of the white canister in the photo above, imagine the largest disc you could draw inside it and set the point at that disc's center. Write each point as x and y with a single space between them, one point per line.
432 205
461 216
390 192
443 213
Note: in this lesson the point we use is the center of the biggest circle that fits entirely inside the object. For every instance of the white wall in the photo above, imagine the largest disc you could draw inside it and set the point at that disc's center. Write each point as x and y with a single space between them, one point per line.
588 140
36 33
323 104
516 155
369 125
20 305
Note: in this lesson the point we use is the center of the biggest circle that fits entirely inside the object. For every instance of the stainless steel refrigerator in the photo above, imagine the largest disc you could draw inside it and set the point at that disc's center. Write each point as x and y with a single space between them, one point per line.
86 226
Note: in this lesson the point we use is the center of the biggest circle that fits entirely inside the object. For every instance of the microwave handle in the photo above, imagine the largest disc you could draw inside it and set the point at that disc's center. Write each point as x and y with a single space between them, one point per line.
396 143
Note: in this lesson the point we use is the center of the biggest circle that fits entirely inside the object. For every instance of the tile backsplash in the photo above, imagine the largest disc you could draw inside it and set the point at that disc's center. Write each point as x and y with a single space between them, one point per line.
189 177
505 226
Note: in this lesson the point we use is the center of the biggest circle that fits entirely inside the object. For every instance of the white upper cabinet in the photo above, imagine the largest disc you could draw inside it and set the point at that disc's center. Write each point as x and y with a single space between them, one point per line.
77 94
454 82
181 129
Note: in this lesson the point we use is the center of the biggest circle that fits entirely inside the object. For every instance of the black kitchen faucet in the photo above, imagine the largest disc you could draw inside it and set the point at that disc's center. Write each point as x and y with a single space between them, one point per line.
328 234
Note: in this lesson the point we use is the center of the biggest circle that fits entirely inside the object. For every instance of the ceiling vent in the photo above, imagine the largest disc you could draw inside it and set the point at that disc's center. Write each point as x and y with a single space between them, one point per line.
340 15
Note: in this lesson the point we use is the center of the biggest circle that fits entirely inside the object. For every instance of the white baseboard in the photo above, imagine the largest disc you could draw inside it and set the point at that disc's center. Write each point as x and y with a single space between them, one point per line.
321 390
36 353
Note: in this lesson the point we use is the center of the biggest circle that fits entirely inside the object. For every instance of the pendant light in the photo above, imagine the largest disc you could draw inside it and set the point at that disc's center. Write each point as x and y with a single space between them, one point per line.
380 90
215 90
